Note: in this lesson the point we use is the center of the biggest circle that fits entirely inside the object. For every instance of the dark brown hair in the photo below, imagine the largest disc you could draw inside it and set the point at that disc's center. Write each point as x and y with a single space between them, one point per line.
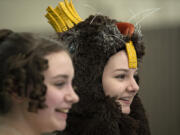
22 63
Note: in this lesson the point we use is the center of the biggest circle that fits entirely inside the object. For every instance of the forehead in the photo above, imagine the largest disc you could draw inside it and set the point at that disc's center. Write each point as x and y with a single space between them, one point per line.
59 63
118 60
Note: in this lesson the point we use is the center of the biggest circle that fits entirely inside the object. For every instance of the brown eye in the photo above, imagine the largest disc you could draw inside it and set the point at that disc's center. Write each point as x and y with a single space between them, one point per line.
121 76
60 84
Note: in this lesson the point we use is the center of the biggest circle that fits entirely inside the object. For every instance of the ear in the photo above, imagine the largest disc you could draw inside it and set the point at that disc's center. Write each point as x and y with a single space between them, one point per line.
126 28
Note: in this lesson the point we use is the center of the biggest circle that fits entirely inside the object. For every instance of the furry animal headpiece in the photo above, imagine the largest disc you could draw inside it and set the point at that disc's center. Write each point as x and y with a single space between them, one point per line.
96 39
92 42
65 17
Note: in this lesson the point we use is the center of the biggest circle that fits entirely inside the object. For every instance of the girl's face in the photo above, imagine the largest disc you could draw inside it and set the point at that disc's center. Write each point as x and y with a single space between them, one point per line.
119 81
60 95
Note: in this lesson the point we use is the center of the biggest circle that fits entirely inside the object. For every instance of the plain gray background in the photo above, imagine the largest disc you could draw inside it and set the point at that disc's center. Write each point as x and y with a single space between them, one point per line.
160 80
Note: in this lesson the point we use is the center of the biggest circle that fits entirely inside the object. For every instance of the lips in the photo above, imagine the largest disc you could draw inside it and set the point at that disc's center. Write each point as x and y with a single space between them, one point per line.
62 110
125 100
62 113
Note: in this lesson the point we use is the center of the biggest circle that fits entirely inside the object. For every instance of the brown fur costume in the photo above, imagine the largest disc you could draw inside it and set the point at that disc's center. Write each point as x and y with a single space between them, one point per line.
92 43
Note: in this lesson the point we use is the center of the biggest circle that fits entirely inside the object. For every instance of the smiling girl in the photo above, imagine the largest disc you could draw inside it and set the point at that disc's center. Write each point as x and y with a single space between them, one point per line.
36 84
106 55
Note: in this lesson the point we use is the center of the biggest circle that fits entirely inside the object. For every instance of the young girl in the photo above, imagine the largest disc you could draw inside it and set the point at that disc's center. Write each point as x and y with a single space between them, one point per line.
36 84
106 54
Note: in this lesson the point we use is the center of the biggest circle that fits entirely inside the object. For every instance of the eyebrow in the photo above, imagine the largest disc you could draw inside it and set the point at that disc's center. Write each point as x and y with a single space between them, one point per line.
61 76
123 69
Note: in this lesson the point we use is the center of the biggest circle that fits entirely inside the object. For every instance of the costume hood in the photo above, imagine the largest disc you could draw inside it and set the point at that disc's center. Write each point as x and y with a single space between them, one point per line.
92 42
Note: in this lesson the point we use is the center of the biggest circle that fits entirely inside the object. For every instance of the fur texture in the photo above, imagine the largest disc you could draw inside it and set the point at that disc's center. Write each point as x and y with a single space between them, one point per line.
92 43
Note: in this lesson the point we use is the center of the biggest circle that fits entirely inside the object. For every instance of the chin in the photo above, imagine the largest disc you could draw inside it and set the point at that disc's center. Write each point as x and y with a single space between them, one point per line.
61 126
126 110
57 126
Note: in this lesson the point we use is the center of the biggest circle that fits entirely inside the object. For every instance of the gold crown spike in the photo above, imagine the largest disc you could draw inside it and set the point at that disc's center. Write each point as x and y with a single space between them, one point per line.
131 52
67 13
74 11
63 17
53 22
70 9
57 18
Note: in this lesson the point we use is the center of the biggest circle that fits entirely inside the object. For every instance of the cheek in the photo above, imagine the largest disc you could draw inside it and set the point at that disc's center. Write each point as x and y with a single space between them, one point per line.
53 98
113 87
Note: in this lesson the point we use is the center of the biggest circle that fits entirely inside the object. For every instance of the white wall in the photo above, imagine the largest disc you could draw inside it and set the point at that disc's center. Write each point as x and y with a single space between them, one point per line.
160 75
24 15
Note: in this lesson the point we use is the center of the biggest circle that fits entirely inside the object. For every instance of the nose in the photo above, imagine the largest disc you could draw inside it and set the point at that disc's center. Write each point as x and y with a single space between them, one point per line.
133 86
71 96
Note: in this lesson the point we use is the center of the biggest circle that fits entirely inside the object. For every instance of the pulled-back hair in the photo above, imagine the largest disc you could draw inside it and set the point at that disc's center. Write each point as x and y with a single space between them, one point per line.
22 63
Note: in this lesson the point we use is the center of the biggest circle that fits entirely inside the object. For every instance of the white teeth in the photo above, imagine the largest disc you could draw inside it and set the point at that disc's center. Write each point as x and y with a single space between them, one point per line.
62 110
125 99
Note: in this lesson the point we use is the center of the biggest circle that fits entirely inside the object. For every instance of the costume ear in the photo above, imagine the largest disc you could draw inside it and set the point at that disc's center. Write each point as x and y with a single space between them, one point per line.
126 28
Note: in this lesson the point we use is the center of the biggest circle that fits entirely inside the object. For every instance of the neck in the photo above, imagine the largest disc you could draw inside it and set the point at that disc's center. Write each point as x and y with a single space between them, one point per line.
16 121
